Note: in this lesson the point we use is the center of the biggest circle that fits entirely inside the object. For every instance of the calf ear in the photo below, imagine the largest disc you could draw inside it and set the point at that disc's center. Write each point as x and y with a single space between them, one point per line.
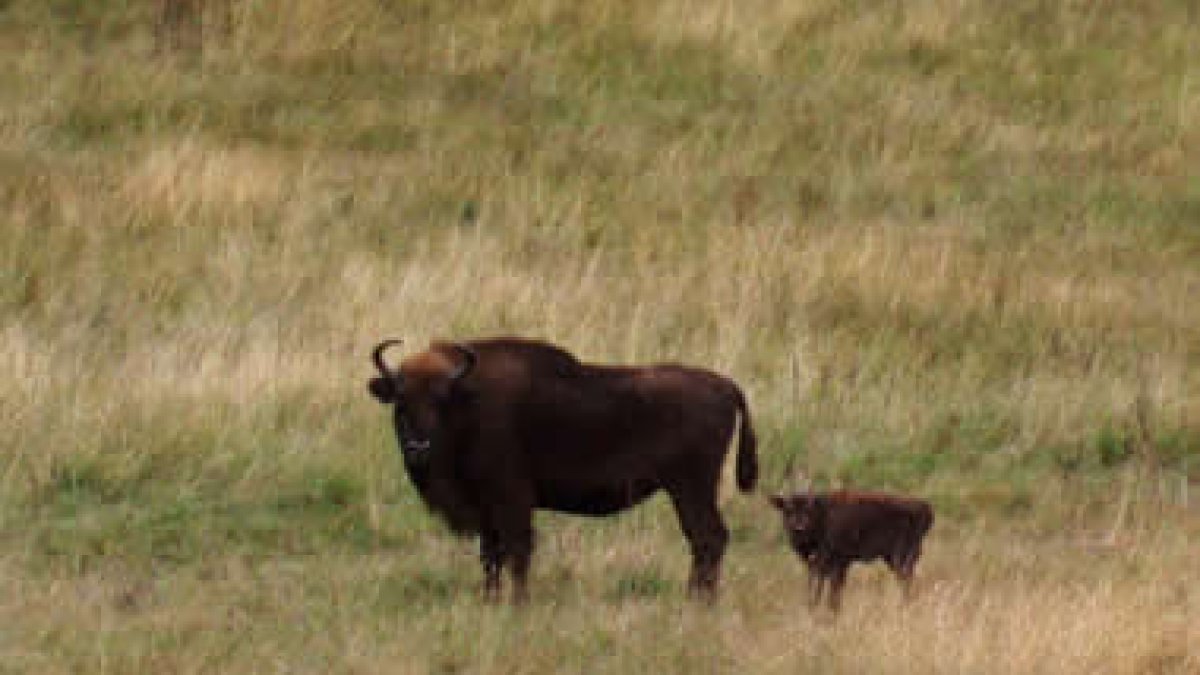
383 389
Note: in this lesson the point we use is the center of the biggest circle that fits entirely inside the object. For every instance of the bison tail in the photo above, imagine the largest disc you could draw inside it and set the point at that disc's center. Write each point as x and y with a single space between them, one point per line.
747 451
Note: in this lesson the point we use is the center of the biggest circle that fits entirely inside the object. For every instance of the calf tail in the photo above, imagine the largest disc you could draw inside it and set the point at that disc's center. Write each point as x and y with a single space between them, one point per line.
922 520
747 451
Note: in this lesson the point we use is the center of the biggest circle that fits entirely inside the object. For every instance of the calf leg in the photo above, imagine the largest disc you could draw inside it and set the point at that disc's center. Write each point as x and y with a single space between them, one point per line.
837 579
816 585
707 536
902 571
904 564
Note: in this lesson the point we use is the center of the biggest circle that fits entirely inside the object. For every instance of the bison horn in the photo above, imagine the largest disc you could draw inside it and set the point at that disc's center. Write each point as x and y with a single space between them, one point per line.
377 357
469 361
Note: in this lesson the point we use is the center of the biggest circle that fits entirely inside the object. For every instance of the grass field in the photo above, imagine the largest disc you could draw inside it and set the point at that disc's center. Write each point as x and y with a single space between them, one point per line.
949 248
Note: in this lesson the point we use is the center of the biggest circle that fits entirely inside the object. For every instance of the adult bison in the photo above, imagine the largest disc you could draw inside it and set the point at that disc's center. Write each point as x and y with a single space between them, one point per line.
831 530
491 430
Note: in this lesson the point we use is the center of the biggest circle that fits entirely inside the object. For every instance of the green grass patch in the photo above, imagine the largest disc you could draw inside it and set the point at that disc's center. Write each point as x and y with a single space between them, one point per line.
305 519
642 584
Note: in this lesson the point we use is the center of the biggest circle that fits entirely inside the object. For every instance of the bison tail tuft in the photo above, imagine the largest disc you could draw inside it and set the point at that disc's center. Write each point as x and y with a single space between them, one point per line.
747 451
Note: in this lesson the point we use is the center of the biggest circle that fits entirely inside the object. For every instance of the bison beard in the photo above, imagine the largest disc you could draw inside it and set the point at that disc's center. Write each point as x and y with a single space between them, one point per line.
830 531
492 430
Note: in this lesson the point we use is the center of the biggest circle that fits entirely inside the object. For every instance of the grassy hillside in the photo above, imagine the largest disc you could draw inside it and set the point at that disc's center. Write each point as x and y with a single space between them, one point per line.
949 248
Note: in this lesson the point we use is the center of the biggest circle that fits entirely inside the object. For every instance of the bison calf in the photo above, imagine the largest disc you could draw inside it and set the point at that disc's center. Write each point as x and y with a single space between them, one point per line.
831 530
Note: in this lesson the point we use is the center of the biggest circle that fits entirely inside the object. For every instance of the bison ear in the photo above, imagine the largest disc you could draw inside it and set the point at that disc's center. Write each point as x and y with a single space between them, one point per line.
780 502
383 389
453 388
451 391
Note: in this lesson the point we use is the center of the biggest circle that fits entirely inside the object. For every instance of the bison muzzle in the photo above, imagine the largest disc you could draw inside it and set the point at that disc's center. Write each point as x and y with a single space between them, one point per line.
492 430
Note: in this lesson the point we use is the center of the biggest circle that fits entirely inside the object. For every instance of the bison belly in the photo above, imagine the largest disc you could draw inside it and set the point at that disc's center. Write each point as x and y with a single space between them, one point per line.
876 541
594 500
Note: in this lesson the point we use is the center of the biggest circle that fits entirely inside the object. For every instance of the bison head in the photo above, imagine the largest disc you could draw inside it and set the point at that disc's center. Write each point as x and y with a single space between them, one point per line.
420 393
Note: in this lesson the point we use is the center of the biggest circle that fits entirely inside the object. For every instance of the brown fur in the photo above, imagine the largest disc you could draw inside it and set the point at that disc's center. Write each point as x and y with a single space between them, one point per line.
492 430
829 531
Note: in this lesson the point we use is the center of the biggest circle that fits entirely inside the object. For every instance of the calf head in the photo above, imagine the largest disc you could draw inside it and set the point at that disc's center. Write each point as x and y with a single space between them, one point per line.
803 518
421 392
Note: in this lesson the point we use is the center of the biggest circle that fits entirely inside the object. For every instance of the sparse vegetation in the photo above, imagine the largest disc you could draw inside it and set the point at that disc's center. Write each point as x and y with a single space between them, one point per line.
949 248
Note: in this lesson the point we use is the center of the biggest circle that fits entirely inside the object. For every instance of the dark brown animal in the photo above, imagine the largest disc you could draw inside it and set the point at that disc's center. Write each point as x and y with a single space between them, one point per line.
829 531
491 430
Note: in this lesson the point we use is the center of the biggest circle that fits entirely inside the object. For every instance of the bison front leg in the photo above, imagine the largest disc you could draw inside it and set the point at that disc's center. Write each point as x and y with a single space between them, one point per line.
518 562
513 525
517 551
491 556
514 550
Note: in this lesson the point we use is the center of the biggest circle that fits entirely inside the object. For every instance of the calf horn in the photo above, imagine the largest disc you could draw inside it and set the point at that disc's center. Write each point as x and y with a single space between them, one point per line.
377 357
468 364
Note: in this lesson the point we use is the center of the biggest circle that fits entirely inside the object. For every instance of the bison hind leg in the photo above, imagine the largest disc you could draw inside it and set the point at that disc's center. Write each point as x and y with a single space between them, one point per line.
707 537
491 556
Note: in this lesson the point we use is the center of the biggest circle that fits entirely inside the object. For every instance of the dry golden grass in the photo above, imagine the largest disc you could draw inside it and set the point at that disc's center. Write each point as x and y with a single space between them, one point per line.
987 603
